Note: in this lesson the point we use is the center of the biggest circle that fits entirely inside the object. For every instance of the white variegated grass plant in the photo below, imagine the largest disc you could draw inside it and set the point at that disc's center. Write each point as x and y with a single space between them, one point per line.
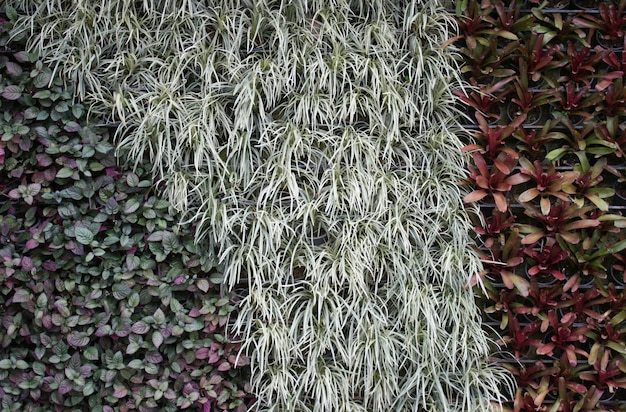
312 141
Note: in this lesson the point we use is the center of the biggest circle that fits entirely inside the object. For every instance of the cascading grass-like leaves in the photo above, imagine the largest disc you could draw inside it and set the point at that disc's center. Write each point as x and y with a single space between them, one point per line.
312 141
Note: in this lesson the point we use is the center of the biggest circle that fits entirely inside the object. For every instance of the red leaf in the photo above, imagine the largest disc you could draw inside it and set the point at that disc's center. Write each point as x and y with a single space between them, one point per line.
516 179
475 196
545 349
532 238
501 202
528 195
480 162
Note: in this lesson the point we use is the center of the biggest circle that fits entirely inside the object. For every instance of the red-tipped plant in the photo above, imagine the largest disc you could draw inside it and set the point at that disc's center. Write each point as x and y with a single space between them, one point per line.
546 257
492 138
495 182
609 23
547 183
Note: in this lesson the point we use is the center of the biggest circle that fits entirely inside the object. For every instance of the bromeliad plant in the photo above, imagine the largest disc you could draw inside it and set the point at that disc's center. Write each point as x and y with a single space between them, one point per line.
494 182
609 23
549 281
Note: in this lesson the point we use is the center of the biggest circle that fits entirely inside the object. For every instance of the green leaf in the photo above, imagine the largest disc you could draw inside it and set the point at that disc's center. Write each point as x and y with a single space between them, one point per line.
10 12
62 107
89 388
149 213
617 347
157 338
556 153
132 179
43 78
42 94
77 110
91 353
203 285
170 241
151 369
131 206
135 364
159 317
39 368
83 235
121 290
65 172
133 300
156 236
132 347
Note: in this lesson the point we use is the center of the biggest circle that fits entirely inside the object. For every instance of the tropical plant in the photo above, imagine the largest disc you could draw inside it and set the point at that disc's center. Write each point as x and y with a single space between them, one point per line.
493 182
609 23
553 276
267 123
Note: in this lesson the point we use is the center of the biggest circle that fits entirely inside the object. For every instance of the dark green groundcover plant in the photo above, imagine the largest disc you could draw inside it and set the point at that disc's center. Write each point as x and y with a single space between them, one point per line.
106 303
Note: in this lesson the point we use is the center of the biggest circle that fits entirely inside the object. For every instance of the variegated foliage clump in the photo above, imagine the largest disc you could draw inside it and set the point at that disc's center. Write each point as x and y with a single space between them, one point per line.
312 141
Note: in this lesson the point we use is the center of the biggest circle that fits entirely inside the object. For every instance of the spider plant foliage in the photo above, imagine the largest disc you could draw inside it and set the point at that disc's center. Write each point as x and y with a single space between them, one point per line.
311 141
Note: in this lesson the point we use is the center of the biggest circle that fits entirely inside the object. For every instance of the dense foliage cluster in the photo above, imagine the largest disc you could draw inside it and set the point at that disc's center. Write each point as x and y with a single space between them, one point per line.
106 302
312 140
548 102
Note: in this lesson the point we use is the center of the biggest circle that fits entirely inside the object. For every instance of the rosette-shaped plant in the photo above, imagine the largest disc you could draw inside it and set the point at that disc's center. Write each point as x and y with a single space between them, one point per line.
311 141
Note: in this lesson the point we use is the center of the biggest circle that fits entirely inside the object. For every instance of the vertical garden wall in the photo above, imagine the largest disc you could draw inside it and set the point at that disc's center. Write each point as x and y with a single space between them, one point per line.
106 302
310 144
548 111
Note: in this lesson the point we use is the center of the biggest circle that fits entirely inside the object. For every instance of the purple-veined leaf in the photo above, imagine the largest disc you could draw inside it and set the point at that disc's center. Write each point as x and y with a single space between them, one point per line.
78 339
65 387
14 194
27 263
154 357
12 92
13 69
21 295
140 327
224 366
21 56
119 391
